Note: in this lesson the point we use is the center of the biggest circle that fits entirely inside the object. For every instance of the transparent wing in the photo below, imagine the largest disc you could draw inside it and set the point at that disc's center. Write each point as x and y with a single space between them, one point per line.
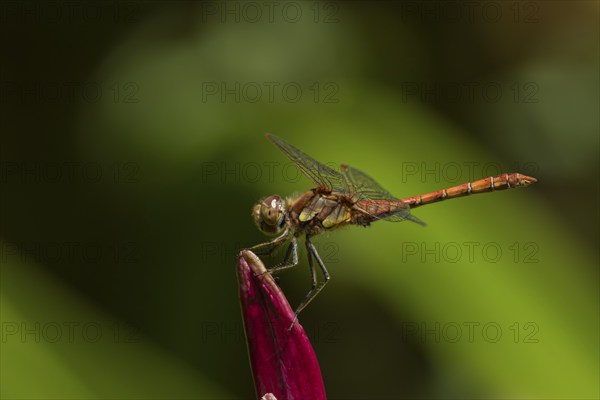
320 174
366 188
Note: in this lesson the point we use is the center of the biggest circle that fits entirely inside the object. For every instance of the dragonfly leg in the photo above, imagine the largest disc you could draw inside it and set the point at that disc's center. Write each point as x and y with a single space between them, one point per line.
291 250
310 296
268 247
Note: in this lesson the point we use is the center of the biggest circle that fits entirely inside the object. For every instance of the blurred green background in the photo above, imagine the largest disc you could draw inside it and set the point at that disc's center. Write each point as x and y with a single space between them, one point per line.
133 151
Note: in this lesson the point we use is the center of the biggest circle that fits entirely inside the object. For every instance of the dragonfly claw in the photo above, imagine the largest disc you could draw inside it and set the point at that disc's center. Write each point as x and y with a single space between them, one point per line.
293 322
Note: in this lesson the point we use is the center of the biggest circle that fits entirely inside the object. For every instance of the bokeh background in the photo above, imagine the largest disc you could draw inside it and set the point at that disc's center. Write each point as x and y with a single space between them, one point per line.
133 151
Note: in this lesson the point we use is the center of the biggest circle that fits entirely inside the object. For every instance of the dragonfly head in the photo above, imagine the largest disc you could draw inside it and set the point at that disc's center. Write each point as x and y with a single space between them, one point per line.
269 215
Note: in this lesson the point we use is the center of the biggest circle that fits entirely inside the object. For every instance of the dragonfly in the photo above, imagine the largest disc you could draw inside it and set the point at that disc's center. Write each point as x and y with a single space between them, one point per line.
340 198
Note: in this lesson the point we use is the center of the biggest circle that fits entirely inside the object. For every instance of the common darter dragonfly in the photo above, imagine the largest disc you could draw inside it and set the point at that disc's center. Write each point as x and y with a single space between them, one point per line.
349 197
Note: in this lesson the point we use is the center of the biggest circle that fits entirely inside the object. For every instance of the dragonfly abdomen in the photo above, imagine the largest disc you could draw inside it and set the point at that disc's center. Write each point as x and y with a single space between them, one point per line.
373 210
500 182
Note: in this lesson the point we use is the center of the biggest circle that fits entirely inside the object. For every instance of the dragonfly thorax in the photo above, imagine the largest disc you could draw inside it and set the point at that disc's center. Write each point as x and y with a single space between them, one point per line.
270 214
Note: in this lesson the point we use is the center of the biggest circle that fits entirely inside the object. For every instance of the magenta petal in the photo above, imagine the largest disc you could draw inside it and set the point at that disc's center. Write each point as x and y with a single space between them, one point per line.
283 362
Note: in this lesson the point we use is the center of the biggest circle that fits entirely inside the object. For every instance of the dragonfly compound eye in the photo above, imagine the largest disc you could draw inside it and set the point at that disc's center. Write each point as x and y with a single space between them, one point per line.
269 214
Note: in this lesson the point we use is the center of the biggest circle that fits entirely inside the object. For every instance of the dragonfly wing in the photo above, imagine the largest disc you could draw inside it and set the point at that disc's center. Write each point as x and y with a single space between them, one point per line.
366 188
319 173
403 217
